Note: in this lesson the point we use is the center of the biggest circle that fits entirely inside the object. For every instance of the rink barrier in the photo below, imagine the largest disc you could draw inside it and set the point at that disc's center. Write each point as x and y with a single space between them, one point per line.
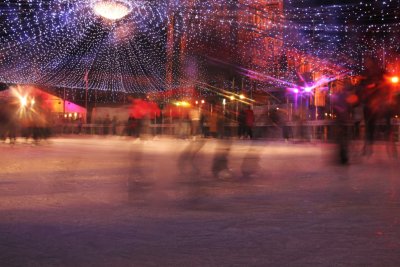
323 130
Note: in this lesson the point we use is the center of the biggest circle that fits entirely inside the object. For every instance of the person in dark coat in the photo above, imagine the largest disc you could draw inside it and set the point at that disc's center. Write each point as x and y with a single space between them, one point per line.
249 122
241 123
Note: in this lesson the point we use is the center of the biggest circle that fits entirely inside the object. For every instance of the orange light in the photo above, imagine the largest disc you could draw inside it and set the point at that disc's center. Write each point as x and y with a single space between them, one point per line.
182 103
394 79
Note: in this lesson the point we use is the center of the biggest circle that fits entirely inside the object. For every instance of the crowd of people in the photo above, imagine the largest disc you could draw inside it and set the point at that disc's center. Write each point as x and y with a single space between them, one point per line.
17 120
372 99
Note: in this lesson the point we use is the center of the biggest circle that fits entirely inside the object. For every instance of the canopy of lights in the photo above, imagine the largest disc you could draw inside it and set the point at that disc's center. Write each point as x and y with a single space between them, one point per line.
151 45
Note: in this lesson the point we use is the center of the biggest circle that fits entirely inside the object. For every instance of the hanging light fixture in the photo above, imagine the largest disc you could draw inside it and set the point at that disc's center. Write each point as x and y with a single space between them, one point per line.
112 9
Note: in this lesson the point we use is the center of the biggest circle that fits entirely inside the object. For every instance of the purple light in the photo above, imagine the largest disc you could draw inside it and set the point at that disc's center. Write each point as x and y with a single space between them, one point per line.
307 89
293 90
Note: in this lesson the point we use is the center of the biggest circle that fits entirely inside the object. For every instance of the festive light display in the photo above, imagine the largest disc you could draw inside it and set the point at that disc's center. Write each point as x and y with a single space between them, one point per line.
143 45
345 32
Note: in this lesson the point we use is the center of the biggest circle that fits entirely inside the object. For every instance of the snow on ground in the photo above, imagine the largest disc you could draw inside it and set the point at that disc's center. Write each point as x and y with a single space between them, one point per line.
108 201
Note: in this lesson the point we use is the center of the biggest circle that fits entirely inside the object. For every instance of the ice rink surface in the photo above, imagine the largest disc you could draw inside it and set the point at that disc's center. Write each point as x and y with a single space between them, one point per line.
108 201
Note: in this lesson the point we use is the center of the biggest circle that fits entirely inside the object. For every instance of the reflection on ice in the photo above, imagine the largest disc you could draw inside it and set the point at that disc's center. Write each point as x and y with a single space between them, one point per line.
127 197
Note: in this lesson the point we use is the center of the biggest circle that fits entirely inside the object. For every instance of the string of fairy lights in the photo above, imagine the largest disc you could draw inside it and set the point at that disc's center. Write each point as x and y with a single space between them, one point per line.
347 31
158 44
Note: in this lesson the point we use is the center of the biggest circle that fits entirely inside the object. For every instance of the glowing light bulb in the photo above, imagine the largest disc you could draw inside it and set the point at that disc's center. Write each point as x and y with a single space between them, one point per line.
112 9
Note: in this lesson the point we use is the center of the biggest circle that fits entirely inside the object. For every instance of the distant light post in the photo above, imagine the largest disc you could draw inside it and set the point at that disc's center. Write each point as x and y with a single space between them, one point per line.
241 97
395 81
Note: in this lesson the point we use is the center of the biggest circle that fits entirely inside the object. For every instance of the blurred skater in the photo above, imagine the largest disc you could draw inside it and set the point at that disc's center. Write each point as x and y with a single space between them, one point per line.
220 168
249 120
343 103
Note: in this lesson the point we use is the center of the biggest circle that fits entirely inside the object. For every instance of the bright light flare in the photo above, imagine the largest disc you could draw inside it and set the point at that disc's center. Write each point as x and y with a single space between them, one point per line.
19 97
182 104
395 79
112 9
23 101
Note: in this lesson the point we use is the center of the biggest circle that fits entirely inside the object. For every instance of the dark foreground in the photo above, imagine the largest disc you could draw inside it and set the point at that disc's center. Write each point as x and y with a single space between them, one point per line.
116 202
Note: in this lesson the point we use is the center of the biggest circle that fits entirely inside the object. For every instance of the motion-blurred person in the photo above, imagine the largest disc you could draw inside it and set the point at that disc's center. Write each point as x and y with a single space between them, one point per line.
143 111
131 126
79 125
187 164
12 130
140 179
388 111
343 103
220 165
8 127
369 91
184 126
203 123
190 173
40 127
241 124
3 122
381 103
358 117
249 122
221 125
106 125
214 122
279 119
195 121
145 127
391 146
114 123
251 162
